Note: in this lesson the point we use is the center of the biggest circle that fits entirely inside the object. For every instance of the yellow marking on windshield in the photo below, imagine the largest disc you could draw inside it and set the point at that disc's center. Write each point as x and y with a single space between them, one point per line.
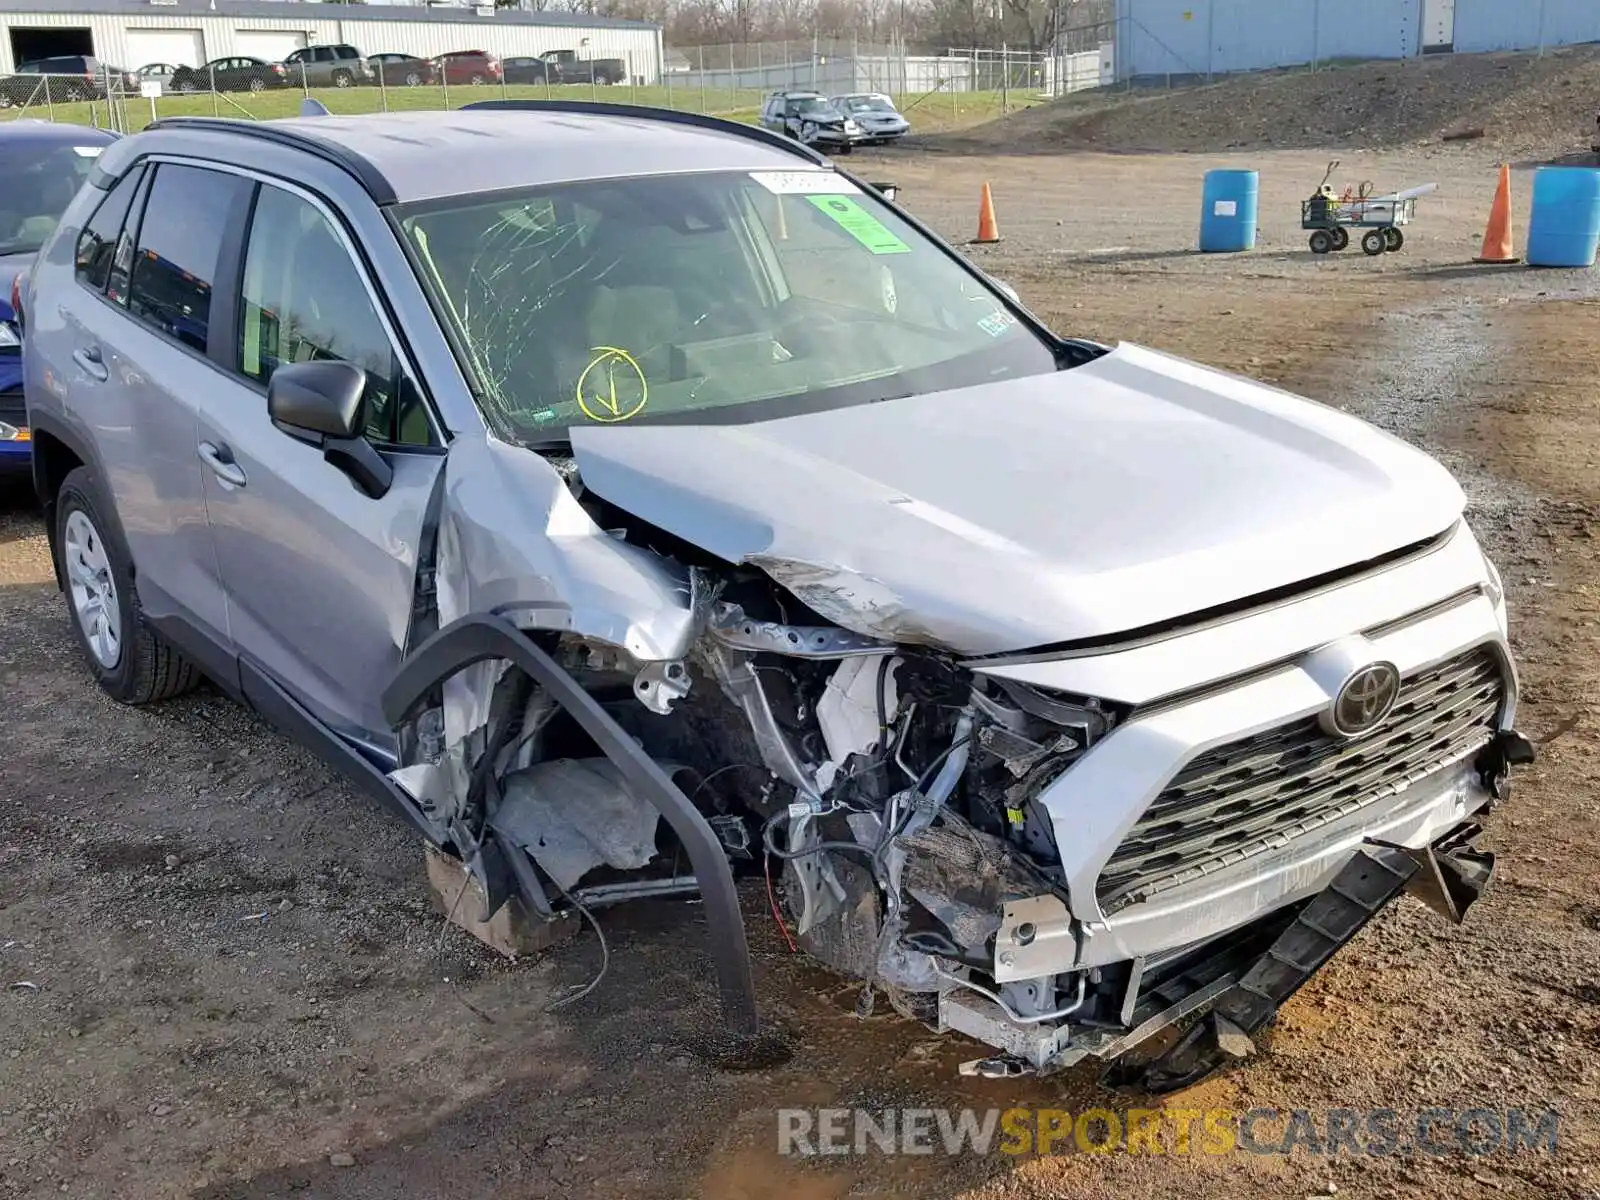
603 401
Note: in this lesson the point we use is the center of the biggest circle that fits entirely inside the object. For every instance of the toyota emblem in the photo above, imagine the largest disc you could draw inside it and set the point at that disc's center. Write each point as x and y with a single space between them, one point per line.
1366 698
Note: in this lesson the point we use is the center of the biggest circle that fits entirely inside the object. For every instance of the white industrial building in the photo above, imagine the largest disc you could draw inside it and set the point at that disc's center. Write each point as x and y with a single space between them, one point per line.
131 33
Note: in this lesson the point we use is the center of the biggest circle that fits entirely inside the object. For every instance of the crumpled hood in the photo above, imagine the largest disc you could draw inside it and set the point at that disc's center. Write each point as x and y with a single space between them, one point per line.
1126 492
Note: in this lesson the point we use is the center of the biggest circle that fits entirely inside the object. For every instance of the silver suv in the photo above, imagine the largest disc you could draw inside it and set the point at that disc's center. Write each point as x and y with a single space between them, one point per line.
628 535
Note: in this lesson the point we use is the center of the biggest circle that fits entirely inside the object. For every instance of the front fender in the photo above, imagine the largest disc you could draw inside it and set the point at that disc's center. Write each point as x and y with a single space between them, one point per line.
478 637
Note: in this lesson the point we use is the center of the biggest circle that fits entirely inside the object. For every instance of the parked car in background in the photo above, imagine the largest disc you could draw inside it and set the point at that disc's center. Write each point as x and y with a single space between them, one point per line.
564 66
161 72
810 118
339 65
474 67
42 165
64 80
525 70
401 70
241 73
879 119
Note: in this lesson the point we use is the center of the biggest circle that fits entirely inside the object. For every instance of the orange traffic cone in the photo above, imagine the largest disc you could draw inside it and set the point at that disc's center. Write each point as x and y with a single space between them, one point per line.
988 230
1497 245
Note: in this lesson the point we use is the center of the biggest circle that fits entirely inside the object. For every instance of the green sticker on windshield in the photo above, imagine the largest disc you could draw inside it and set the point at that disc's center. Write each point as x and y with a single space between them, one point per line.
860 224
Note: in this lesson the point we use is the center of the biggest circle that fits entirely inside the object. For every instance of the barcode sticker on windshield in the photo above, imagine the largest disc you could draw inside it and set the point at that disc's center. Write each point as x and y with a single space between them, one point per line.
804 183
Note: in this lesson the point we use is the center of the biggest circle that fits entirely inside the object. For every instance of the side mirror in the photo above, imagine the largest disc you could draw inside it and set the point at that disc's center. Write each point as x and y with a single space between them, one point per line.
320 398
322 403
889 191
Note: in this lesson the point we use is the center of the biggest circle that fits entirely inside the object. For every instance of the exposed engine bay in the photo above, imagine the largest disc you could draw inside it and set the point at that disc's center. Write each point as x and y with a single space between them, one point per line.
892 792
889 792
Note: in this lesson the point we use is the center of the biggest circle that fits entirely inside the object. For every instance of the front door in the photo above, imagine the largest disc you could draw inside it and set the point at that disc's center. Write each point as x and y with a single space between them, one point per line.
319 576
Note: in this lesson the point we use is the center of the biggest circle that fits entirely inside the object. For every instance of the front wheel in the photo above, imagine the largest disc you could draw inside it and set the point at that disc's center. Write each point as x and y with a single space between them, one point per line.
127 658
413 79
1321 242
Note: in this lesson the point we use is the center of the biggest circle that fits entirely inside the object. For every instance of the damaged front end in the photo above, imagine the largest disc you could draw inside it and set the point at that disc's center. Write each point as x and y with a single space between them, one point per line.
1056 874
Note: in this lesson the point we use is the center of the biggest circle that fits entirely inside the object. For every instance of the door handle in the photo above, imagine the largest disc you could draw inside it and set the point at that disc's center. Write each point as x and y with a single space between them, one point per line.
88 357
220 460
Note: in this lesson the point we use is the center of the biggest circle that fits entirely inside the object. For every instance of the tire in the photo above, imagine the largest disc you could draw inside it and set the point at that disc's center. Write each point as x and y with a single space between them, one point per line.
808 133
1341 238
186 88
258 85
73 94
1393 239
1374 243
343 79
413 79
1321 242
131 663
477 80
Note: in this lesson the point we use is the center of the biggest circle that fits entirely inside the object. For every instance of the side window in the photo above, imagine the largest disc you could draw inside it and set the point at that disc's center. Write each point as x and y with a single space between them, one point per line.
346 52
304 300
97 244
180 240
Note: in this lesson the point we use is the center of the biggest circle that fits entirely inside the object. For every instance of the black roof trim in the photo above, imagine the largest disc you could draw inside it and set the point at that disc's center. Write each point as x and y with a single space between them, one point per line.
364 173
672 116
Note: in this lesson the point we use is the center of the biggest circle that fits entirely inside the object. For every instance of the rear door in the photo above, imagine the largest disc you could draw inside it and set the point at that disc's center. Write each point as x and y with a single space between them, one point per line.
136 365
319 577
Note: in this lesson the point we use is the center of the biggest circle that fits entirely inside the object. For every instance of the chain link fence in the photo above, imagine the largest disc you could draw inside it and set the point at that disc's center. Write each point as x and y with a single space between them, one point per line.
937 88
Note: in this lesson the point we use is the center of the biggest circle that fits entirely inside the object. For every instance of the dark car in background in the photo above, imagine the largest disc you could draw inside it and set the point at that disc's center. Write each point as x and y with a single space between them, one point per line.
42 165
240 73
64 79
474 67
401 70
523 69
564 66
809 118
339 65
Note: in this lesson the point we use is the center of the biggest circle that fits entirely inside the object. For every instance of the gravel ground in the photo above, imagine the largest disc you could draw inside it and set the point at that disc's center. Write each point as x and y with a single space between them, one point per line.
242 992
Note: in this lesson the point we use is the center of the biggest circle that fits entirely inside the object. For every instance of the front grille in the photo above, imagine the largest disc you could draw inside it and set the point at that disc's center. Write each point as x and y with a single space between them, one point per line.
1260 792
12 410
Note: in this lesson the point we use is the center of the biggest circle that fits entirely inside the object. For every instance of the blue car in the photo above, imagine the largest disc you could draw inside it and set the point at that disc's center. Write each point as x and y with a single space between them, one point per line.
42 165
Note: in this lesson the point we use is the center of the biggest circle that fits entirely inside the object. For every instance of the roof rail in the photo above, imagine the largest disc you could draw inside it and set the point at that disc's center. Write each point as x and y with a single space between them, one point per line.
603 108
347 160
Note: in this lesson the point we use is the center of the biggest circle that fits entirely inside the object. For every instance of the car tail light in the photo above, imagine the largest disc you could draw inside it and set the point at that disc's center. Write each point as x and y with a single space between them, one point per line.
494 66
16 300
279 68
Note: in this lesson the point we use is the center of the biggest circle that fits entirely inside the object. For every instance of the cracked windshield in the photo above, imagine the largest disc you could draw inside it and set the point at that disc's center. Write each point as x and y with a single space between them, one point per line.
669 297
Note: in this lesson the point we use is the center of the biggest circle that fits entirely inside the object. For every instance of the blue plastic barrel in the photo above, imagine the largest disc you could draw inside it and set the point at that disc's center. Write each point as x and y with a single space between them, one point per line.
1564 229
1228 211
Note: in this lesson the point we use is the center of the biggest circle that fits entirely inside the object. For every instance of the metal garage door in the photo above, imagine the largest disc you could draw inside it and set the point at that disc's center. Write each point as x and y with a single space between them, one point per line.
180 47
270 44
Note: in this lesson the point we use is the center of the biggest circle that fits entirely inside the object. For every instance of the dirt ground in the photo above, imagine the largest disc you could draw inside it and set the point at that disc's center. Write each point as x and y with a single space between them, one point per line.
240 981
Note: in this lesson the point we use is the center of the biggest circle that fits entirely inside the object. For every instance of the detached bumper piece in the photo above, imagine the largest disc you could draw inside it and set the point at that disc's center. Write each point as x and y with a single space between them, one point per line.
1448 876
